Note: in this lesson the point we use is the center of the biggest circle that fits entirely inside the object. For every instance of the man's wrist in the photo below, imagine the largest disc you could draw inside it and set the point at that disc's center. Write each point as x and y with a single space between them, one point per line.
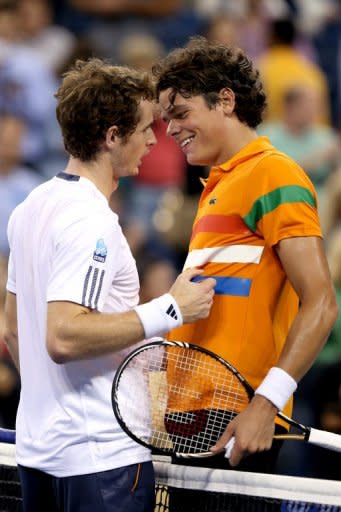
159 315
277 387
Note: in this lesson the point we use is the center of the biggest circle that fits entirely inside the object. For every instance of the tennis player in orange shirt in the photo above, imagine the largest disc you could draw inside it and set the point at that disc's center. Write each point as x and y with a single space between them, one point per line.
257 232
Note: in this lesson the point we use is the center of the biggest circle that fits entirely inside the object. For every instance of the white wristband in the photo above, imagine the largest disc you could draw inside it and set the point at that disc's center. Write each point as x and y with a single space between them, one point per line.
278 386
159 315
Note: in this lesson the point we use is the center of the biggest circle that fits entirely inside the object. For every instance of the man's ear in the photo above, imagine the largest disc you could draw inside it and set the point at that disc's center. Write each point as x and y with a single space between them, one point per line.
111 136
227 100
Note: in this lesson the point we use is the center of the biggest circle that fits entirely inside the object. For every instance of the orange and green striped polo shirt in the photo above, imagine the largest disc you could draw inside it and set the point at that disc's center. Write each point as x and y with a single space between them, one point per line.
249 204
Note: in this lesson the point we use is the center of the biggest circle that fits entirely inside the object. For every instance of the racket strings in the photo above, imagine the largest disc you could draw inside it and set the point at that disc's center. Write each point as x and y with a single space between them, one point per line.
198 373
179 400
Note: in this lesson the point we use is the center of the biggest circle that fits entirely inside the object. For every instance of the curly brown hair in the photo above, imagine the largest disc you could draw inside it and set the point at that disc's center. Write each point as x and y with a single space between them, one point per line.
94 96
205 68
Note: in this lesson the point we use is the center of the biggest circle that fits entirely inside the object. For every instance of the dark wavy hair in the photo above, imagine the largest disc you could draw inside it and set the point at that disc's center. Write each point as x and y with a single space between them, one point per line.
205 68
95 95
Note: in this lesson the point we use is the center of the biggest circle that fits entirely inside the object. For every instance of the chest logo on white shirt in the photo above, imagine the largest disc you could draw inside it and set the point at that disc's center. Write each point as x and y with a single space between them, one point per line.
101 251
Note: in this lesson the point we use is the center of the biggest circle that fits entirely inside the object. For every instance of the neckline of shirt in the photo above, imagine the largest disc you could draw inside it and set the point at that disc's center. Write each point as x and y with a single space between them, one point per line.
76 178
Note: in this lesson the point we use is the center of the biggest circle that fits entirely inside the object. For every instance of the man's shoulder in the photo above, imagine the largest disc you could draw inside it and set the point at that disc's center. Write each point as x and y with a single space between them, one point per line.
277 169
78 211
276 160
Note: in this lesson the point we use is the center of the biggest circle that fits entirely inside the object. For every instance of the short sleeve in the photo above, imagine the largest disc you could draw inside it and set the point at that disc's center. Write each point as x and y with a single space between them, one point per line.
85 261
283 201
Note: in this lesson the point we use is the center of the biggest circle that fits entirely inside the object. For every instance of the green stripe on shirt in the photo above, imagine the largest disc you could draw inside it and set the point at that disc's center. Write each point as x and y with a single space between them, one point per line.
270 201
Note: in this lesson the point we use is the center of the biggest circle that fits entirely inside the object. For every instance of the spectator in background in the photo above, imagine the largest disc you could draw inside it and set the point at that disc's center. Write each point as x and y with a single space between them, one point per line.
140 50
252 21
48 46
26 90
254 29
327 42
8 26
52 43
331 211
332 350
212 8
315 147
16 180
224 29
169 20
282 66
156 276
244 24
164 168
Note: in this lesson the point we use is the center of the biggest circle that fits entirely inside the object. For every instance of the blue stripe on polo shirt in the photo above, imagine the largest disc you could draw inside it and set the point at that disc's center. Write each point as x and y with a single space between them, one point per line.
238 286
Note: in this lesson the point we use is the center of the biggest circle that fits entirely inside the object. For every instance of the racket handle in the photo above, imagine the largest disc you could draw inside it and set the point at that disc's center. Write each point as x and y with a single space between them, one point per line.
325 439
200 455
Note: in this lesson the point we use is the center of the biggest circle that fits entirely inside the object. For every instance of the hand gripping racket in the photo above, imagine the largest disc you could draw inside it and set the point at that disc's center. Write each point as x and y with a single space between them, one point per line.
175 397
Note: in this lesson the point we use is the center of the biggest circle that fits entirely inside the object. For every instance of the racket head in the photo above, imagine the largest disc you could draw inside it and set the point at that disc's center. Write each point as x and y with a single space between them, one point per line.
176 397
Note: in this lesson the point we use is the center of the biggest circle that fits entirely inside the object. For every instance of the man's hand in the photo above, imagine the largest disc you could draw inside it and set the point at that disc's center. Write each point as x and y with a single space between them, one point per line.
194 299
253 430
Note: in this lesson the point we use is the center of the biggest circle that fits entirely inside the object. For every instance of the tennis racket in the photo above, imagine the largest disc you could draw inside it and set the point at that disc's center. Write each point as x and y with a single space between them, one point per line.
178 398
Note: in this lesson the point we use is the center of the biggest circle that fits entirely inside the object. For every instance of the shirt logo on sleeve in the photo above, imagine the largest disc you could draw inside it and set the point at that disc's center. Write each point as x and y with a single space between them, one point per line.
101 251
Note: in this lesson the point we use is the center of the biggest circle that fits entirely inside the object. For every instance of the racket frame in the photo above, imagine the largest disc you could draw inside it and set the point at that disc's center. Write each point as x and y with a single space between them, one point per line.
305 431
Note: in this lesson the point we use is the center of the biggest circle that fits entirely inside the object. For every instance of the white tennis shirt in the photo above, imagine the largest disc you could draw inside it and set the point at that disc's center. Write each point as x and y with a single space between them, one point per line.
66 244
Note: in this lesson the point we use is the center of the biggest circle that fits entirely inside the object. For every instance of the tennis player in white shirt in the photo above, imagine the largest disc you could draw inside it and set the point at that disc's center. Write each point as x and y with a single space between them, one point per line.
72 303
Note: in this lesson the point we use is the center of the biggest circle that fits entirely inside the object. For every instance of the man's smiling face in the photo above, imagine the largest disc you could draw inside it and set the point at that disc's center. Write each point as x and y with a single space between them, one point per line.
198 129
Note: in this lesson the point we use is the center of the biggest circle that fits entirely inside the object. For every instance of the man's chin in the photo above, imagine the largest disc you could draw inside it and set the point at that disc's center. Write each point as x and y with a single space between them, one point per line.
194 161
133 171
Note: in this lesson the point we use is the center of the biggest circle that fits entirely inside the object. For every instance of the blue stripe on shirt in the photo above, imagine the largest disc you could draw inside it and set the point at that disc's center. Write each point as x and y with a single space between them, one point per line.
237 286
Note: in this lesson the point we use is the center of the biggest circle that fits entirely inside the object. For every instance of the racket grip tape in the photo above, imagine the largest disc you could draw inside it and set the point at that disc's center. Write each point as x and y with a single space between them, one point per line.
325 439
229 447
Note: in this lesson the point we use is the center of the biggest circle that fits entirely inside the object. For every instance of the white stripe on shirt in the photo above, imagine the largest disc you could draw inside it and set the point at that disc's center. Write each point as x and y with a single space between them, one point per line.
229 254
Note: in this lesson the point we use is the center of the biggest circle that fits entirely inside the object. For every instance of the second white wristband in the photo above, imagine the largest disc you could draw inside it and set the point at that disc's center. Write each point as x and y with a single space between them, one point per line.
278 386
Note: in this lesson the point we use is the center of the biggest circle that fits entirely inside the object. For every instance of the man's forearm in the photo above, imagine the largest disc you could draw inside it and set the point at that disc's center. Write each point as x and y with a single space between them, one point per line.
307 336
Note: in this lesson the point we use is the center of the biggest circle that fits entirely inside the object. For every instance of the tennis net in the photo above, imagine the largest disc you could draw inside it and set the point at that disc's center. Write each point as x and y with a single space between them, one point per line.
194 489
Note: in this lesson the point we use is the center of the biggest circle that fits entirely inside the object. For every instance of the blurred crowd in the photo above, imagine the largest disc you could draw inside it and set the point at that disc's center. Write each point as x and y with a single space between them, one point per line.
296 45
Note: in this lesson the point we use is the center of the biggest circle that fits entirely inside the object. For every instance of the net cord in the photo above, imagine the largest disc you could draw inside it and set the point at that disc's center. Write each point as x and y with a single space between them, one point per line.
298 489
326 492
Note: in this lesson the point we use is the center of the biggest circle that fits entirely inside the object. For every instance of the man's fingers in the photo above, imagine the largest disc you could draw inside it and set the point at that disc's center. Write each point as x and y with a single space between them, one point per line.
192 272
206 282
222 442
231 452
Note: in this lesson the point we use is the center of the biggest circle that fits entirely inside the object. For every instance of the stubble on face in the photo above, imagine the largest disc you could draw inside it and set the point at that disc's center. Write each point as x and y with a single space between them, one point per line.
131 149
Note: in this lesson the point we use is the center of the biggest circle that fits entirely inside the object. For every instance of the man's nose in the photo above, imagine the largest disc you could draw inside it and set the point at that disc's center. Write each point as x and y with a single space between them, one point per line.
172 127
